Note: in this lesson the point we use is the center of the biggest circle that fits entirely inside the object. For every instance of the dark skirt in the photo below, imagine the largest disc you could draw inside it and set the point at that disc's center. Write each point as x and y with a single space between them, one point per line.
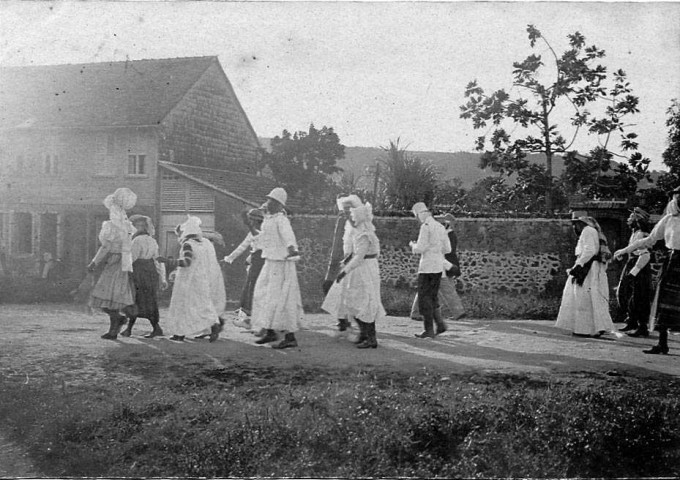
145 280
668 304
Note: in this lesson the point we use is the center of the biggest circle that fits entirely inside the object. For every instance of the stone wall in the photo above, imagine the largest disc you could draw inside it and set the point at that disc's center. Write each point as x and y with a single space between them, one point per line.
523 256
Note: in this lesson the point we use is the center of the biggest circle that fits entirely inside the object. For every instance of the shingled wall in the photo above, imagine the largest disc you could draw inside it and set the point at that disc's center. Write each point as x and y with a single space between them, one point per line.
209 129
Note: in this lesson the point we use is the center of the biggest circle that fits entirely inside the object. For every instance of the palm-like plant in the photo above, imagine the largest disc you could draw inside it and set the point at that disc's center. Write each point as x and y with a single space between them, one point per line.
406 179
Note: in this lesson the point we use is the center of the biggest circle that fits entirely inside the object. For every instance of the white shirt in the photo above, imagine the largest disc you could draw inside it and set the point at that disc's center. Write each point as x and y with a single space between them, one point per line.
433 243
667 229
275 237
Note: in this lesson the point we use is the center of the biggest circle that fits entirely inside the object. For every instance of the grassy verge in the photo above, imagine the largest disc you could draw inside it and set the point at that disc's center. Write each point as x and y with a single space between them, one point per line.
260 421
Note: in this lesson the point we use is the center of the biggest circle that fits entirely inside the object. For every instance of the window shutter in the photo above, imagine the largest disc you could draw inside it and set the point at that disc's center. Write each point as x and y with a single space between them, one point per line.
173 195
201 199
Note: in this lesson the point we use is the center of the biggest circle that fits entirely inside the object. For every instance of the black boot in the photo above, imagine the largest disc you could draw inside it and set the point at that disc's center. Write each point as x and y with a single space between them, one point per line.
363 334
269 336
371 341
215 330
662 346
429 331
157 330
128 330
116 322
630 325
440 324
640 332
288 342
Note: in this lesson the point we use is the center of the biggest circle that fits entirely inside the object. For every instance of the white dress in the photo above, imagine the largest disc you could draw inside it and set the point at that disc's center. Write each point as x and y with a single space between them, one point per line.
192 306
585 308
357 296
277 304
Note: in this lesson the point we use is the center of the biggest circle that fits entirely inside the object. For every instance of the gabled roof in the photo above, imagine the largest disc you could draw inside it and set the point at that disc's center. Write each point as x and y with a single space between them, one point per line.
250 189
131 93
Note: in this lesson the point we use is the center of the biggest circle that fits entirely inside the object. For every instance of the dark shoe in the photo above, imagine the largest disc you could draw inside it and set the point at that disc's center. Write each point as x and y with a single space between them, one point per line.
109 336
177 338
288 342
628 328
429 329
127 332
269 336
157 332
639 333
656 350
370 341
215 330
363 332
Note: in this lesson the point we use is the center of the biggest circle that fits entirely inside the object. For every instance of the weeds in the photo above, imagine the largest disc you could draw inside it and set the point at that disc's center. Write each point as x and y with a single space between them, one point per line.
373 424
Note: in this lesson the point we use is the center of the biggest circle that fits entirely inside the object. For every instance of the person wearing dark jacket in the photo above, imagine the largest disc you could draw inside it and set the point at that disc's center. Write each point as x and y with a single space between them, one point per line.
633 293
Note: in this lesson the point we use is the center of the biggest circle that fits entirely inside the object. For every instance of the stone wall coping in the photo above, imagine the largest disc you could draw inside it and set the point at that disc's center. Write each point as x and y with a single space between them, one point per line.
458 219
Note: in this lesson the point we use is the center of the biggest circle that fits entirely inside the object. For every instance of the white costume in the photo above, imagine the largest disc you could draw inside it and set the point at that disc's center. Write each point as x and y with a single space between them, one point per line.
198 295
585 308
357 295
277 304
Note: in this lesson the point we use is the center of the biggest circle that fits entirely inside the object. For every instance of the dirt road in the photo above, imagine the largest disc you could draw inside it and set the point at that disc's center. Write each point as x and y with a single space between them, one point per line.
64 340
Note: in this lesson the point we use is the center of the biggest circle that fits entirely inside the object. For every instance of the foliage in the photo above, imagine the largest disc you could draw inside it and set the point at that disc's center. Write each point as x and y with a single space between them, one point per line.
578 84
406 179
655 199
304 163
258 421
671 156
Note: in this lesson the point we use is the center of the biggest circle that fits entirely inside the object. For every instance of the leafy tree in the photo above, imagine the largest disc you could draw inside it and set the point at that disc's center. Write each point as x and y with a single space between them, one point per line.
671 156
406 179
304 163
655 199
578 82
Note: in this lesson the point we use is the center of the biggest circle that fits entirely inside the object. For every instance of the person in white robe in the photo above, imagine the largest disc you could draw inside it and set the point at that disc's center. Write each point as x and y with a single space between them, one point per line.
277 304
585 299
198 295
356 291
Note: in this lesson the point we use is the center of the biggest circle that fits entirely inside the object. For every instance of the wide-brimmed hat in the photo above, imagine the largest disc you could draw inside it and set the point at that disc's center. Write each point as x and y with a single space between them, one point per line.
278 194
419 208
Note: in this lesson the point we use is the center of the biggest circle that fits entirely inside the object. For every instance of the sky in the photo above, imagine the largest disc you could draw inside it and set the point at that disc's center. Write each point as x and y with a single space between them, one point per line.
374 71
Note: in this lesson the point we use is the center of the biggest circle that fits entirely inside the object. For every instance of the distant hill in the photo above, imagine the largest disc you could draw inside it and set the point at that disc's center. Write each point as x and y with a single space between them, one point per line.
451 165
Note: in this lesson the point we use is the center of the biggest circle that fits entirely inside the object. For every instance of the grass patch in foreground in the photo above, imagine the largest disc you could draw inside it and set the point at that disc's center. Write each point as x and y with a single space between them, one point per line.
250 421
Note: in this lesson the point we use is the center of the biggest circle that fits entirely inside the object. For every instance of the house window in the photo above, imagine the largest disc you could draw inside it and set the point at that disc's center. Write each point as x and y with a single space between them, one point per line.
23 232
136 164
50 164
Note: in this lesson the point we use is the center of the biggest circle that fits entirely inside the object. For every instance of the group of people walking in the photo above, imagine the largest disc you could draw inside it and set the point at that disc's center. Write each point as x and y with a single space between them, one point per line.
585 299
130 272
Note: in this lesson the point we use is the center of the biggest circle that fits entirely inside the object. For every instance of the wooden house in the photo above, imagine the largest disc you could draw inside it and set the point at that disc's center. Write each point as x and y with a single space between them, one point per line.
172 130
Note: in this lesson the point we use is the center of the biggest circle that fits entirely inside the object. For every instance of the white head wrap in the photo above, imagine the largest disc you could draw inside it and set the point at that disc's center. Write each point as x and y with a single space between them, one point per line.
363 217
119 201
352 200
191 227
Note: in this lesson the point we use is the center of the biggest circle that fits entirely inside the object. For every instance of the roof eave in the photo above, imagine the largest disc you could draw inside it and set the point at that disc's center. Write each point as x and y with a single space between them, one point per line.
178 171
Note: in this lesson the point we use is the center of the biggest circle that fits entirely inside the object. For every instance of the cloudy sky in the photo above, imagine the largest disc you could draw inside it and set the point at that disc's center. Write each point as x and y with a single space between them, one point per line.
373 71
